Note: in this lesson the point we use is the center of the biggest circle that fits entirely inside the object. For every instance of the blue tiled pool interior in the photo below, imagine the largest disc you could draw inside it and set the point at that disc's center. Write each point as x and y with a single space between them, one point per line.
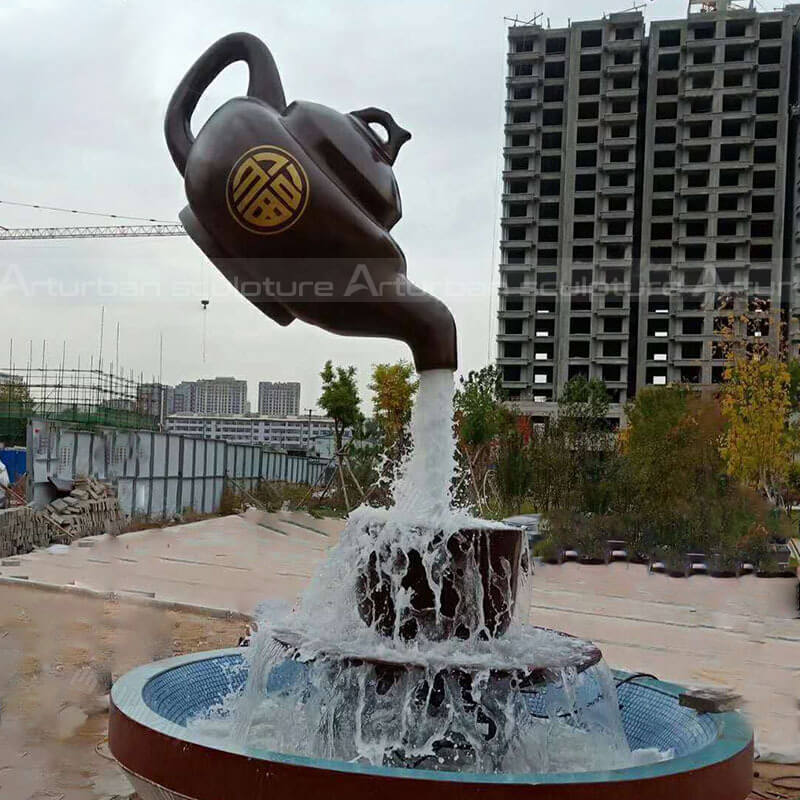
651 714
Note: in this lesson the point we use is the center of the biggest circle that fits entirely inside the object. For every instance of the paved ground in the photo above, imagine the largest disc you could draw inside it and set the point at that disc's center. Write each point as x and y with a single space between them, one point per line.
54 650
741 633
223 562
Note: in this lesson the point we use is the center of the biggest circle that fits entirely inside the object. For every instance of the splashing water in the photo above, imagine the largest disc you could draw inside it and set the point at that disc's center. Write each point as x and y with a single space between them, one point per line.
363 671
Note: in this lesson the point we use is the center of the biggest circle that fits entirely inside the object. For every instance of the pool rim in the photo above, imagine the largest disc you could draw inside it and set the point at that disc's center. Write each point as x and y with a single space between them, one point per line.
734 736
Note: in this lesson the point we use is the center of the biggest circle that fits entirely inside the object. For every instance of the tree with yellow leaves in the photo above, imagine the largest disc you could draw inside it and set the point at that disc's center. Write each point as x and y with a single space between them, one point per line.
759 440
394 387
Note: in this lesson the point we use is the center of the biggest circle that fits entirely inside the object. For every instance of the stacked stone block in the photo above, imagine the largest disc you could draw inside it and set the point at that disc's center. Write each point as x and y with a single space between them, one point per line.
22 530
91 508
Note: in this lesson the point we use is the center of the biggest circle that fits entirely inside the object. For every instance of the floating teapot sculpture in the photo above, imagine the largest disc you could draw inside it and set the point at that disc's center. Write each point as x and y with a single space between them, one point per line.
294 205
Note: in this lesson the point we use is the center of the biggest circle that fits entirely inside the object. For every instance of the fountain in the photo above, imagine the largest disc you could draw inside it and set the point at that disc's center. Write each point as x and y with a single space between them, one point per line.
409 665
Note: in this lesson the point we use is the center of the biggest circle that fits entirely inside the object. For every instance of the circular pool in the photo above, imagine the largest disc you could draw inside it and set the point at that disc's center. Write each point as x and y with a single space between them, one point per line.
148 736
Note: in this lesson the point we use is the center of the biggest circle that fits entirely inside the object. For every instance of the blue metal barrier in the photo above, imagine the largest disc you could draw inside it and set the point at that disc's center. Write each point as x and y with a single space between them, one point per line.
16 461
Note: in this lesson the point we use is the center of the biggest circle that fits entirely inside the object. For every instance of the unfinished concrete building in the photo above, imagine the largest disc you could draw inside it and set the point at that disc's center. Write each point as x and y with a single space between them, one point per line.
649 191
718 164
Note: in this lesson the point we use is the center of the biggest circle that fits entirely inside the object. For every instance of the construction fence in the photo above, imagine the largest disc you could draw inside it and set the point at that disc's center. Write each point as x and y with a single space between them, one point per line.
155 474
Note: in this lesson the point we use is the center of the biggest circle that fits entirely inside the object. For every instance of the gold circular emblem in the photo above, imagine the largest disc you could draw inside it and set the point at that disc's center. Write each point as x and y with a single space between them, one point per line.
267 190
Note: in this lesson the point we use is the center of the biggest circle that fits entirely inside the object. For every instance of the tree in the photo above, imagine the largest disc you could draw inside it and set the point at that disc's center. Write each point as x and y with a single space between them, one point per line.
479 417
652 443
759 440
15 392
553 468
394 387
681 498
340 399
584 399
794 384
514 464
16 408
583 427
675 474
478 407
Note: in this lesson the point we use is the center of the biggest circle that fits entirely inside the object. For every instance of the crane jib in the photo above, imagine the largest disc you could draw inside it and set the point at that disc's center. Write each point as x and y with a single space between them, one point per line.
91 232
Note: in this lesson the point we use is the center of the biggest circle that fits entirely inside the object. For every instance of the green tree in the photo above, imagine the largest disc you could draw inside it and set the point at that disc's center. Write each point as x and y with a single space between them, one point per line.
479 417
794 384
514 464
340 399
16 408
653 449
656 446
554 468
393 387
14 391
341 402
584 430
583 399
680 498
478 407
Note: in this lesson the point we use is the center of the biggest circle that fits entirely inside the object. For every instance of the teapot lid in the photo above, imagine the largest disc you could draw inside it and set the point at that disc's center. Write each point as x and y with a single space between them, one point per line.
352 153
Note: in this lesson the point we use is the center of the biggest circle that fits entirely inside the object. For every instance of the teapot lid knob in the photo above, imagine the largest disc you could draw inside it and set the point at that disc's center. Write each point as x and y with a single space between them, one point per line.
396 136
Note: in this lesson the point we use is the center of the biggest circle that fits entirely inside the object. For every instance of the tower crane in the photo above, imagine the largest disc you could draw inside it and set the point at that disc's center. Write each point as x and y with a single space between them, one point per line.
91 232
147 226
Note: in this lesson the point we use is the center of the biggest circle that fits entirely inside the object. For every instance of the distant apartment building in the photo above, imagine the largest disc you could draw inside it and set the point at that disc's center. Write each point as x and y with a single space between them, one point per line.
305 434
185 395
155 399
222 396
279 399
649 191
211 396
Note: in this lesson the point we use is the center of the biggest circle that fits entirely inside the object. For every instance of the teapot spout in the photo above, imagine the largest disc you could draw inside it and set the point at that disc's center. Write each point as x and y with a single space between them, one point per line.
430 332
398 310
402 311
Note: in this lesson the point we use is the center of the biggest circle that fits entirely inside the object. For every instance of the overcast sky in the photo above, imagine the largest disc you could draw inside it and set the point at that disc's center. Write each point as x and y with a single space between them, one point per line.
85 88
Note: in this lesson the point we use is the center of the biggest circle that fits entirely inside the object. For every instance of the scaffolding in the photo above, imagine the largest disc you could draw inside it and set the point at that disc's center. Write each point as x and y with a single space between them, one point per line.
82 398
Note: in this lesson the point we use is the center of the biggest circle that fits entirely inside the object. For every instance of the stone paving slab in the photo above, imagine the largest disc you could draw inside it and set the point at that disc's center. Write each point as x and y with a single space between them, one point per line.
747 595
742 633
227 562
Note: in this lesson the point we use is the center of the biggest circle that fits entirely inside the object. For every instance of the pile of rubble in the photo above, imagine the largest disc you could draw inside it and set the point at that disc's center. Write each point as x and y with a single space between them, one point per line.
91 508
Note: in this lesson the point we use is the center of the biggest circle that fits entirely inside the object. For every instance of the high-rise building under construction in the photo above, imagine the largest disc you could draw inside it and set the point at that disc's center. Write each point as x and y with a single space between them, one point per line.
650 190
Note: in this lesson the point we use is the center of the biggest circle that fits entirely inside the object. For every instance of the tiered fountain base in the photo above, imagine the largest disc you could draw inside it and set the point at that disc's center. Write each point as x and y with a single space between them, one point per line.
166 761
442 715
436 704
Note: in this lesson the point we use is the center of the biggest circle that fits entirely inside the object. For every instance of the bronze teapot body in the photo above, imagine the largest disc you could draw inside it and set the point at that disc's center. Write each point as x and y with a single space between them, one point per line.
294 205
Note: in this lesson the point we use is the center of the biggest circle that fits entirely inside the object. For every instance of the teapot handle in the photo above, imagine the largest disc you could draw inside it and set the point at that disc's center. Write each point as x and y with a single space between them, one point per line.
265 84
397 136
